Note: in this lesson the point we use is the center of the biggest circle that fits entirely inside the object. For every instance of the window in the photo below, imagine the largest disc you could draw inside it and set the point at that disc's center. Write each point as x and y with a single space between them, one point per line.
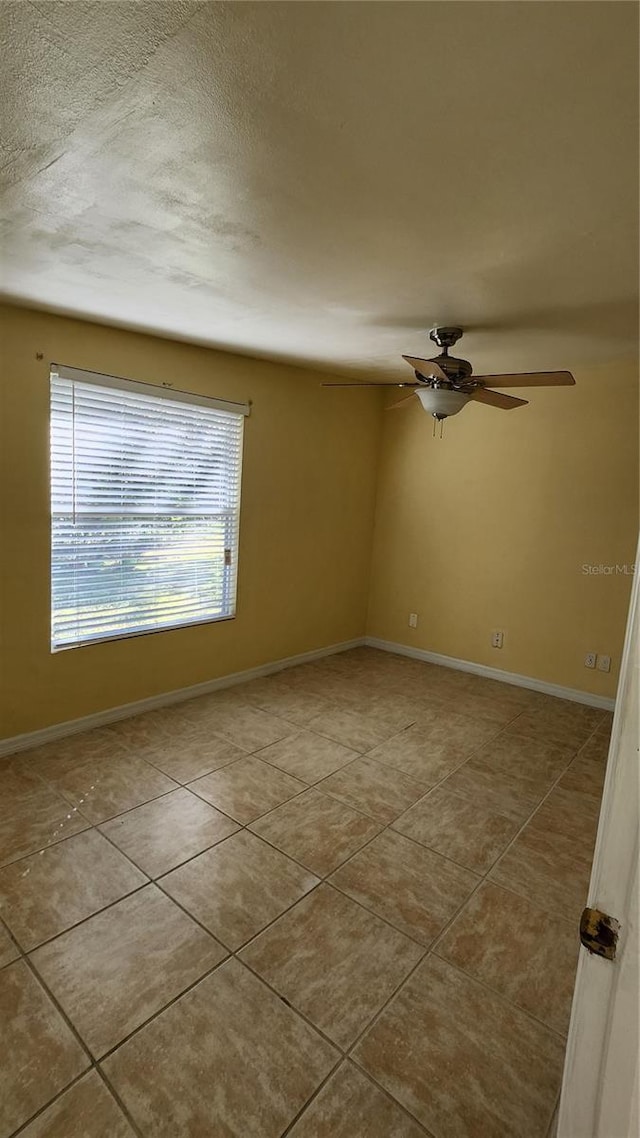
145 504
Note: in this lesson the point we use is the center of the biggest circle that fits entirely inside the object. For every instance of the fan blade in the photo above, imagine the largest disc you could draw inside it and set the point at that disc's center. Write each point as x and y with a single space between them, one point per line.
370 384
497 399
425 368
400 403
528 379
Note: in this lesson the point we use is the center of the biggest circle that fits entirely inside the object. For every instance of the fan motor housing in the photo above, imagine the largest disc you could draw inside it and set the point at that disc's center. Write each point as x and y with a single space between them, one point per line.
456 370
445 337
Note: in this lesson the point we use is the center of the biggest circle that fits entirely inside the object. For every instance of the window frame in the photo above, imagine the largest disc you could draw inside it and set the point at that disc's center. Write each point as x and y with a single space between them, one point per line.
162 391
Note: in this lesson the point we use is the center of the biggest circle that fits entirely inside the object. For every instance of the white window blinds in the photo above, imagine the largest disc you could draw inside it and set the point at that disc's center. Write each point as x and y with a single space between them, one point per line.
145 503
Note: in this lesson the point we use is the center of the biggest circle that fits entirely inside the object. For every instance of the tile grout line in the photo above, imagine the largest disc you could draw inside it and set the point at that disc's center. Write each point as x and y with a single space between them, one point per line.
447 698
487 880
435 943
562 1038
234 955
112 817
431 949
433 946
345 1061
95 1062
95 827
12 940
91 825
188 785
231 954
327 1078
350 1054
486 877
26 952
42 1110
246 825
61 1012
391 826
174 999
554 1114
323 879
121 1103
536 809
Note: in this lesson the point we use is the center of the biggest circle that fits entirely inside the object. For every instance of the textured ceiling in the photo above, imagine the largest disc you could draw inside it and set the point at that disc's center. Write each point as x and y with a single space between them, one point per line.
322 182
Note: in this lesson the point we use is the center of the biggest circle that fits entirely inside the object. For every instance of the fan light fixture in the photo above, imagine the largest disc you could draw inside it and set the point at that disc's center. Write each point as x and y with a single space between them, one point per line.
445 384
441 402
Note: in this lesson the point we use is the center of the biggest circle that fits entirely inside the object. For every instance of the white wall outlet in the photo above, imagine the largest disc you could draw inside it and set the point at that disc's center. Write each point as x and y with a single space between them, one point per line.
590 660
604 663
413 620
497 638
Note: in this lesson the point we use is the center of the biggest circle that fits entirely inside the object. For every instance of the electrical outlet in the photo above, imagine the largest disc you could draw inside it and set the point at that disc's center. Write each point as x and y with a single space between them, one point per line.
497 638
413 620
590 660
604 663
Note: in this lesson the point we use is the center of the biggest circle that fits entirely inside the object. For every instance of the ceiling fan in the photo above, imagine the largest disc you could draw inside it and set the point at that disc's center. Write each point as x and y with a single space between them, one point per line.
444 384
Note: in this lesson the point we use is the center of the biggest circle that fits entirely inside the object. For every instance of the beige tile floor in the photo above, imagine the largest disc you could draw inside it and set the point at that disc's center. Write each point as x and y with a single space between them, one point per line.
337 902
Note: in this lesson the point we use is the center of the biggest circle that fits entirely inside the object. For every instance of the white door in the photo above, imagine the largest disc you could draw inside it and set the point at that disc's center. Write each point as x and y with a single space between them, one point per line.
601 1083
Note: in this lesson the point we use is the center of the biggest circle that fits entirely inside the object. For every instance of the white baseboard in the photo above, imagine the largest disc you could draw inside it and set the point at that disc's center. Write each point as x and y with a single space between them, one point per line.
601 701
31 739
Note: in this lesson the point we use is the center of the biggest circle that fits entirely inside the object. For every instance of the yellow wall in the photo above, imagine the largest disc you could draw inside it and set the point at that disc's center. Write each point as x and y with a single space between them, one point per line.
305 538
487 528
490 527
